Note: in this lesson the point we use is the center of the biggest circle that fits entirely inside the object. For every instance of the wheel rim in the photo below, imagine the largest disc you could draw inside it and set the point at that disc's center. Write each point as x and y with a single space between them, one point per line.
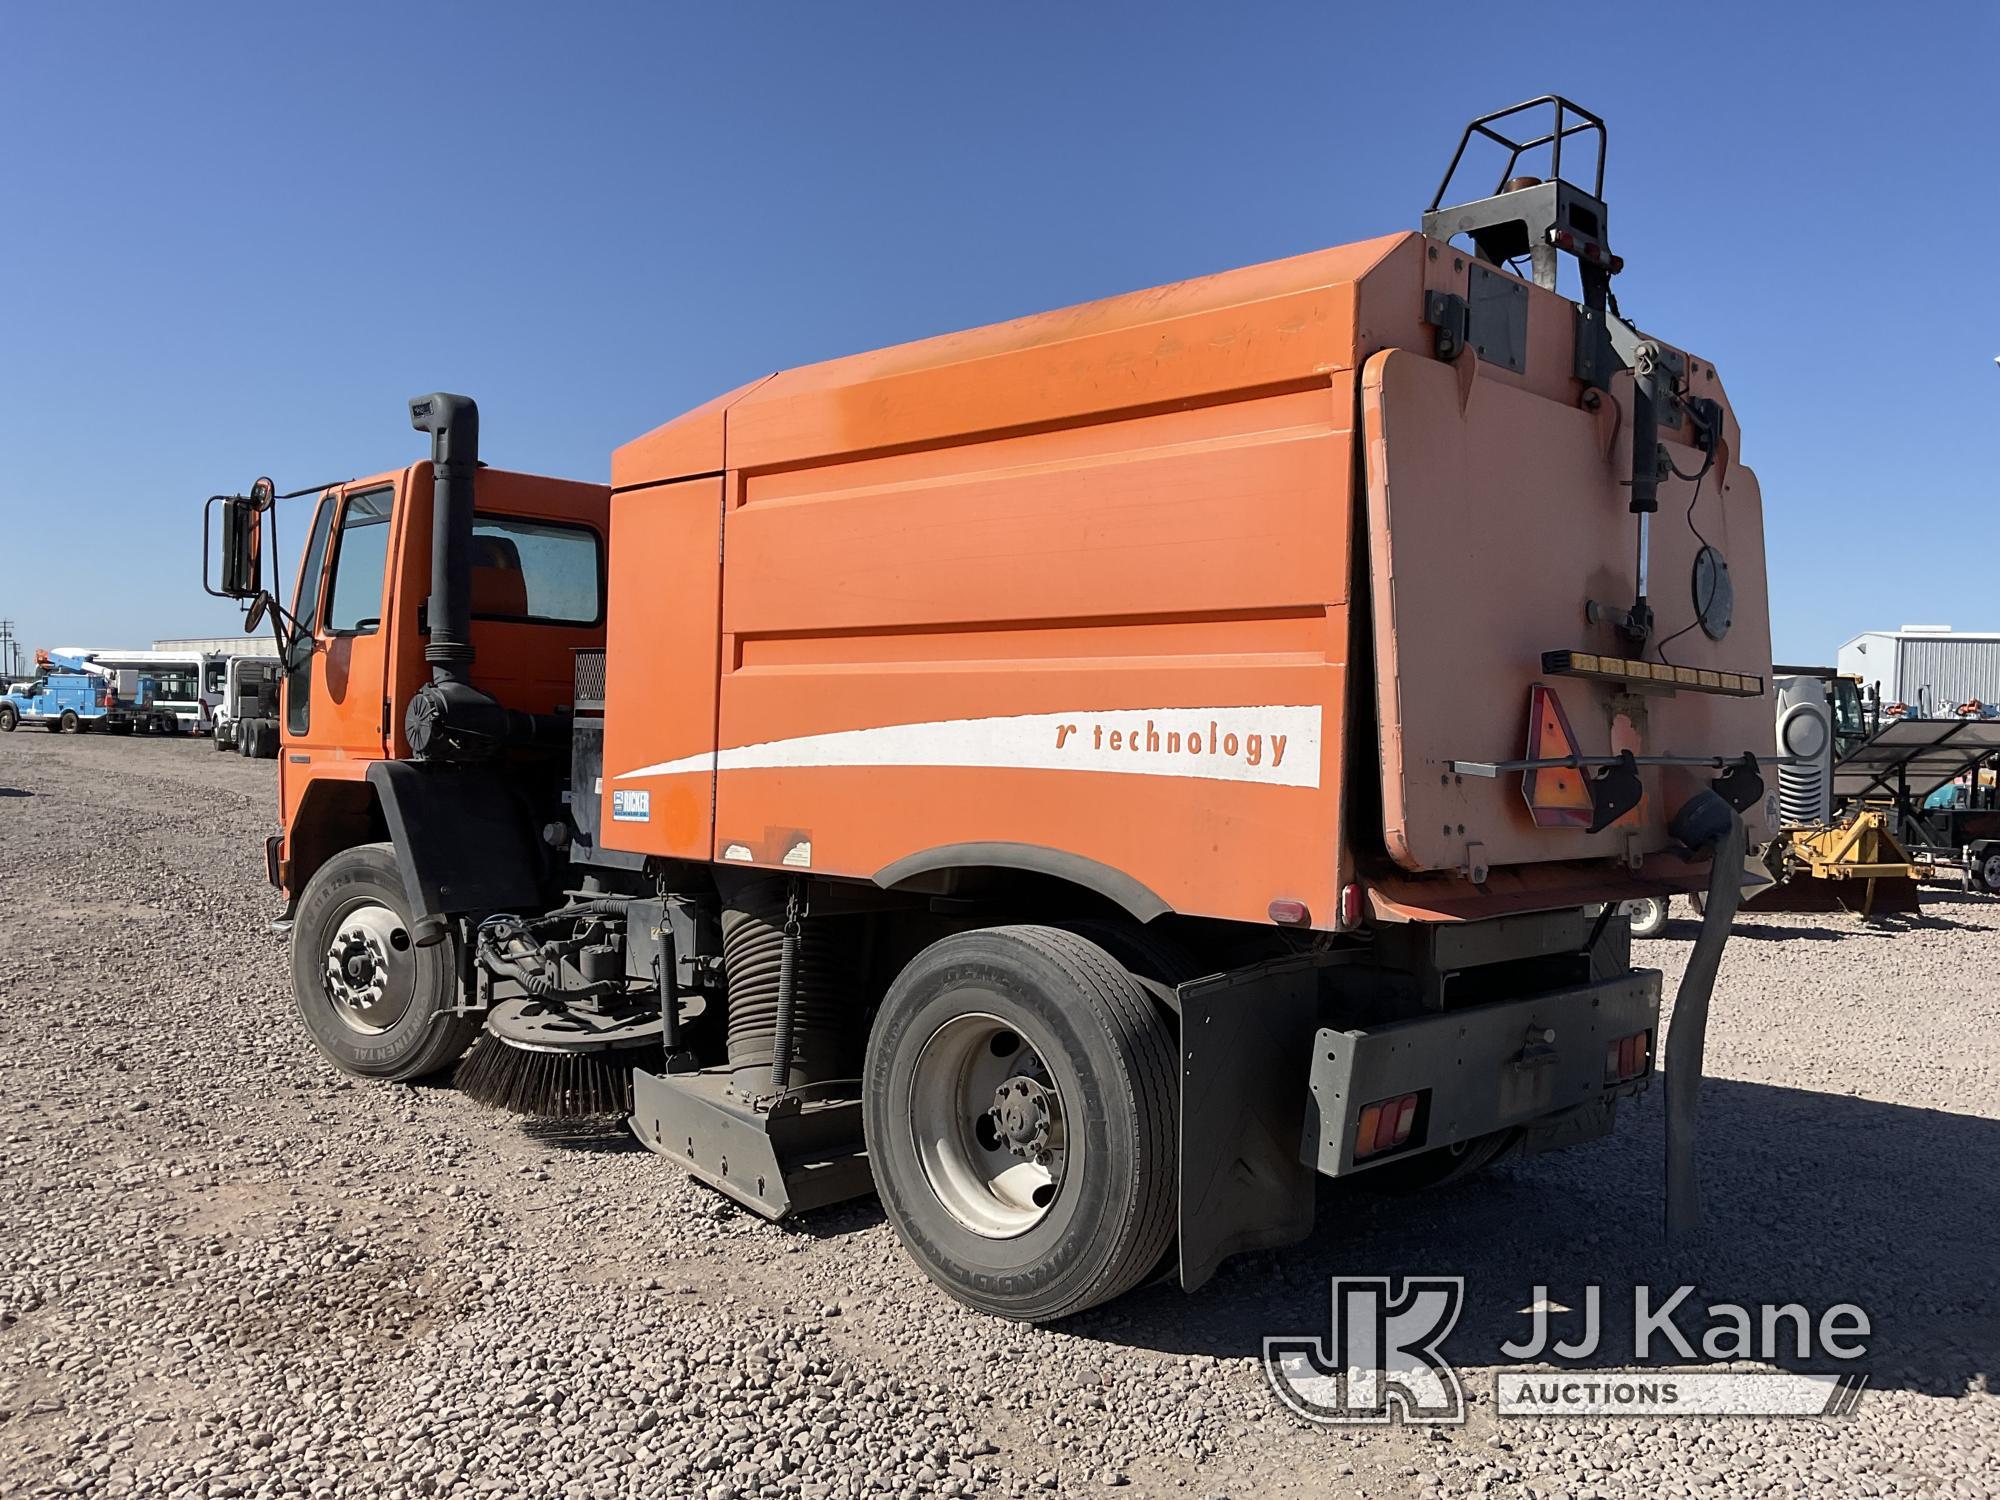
371 969
988 1119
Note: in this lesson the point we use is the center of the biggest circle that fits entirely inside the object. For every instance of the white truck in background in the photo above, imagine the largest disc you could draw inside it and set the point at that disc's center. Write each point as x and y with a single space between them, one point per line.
241 695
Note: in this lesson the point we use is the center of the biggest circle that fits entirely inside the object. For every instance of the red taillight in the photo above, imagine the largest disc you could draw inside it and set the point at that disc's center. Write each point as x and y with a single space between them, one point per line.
1386 1124
1289 913
1628 1058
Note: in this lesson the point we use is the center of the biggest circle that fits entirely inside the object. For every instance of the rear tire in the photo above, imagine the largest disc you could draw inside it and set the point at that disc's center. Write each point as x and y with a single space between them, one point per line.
391 1019
54 726
1001 1229
1989 871
1649 916
69 721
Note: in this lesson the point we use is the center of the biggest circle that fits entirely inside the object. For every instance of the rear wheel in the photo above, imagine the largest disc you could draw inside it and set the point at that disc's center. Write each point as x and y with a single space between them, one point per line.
376 1004
1989 870
1019 1103
69 721
54 726
1649 916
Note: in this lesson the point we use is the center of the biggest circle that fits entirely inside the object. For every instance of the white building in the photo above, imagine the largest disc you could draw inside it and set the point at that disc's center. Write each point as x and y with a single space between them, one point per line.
1932 668
259 644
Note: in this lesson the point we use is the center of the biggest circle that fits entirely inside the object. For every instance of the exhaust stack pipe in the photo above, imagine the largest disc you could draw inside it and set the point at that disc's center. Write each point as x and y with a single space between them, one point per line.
453 423
448 719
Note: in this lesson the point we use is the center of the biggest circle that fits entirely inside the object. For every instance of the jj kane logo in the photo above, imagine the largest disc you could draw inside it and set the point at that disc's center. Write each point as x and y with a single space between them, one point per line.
1382 1359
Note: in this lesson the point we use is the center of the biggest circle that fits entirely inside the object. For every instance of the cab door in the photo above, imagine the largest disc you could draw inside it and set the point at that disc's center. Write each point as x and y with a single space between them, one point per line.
335 714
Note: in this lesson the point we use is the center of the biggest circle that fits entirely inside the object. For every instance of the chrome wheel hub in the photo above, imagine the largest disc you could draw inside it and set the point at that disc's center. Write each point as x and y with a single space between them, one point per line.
988 1121
370 969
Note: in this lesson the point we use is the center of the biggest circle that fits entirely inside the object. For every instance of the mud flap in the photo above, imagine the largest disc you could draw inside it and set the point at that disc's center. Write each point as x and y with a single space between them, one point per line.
1246 1050
462 840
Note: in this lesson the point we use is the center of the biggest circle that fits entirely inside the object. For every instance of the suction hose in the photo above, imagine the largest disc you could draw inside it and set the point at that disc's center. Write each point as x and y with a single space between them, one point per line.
1705 822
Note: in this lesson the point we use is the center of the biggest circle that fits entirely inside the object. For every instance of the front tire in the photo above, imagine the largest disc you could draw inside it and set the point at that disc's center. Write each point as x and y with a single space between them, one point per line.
9 718
1019 1104
375 1004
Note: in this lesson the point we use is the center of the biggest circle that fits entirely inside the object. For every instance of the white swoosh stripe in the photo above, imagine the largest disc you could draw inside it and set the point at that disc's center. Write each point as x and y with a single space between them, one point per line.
1277 744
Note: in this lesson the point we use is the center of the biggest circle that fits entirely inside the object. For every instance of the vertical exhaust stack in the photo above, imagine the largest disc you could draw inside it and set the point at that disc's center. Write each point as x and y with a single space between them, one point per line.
453 423
448 719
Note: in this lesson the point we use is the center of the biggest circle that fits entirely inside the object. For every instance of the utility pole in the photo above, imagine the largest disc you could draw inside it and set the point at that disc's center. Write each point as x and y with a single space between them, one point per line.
10 649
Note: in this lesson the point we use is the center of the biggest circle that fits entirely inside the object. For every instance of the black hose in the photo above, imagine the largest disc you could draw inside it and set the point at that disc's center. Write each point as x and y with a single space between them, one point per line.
1705 822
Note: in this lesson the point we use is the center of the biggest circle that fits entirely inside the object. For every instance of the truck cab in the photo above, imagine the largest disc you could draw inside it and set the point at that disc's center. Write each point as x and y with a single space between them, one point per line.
239 692
354 635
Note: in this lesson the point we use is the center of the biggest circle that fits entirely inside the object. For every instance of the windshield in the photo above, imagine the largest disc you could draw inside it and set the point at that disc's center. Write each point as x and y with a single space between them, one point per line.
169 684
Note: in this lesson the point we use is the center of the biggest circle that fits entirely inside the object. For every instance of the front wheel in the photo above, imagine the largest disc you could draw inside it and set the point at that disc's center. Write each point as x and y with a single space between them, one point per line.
9 718
376 1004
220 738
1019 1104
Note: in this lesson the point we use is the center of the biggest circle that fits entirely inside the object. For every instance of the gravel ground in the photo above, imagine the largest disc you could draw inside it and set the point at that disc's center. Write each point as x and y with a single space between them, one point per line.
229 1271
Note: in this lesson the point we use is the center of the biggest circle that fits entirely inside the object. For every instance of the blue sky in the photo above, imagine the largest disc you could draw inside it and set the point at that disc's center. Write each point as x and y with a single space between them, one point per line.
237 238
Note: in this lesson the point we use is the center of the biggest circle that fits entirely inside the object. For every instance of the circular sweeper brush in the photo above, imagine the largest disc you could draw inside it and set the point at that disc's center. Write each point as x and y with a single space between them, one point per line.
558 1062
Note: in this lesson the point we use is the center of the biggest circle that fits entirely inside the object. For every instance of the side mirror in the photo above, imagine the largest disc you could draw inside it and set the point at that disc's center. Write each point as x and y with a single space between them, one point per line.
255 615
241 541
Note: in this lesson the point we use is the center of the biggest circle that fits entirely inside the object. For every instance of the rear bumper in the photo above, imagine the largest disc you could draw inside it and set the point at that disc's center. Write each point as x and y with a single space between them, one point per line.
1487 1068
1270 1097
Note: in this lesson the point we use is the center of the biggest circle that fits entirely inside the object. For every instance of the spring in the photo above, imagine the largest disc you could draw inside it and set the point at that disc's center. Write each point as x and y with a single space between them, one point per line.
754 962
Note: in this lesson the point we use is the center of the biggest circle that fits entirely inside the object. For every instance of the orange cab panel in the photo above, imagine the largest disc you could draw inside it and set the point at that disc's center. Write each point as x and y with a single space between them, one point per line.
661 670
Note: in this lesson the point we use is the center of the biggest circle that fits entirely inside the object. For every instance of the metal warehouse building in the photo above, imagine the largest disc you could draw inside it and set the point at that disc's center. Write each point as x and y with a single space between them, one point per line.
231 645
1933 668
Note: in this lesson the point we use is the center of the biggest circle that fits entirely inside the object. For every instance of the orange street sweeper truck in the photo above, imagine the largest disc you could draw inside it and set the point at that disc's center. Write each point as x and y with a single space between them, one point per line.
1082 778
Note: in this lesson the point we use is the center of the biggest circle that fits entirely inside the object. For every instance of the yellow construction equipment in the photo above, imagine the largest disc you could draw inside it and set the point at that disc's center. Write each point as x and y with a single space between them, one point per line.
1853 865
